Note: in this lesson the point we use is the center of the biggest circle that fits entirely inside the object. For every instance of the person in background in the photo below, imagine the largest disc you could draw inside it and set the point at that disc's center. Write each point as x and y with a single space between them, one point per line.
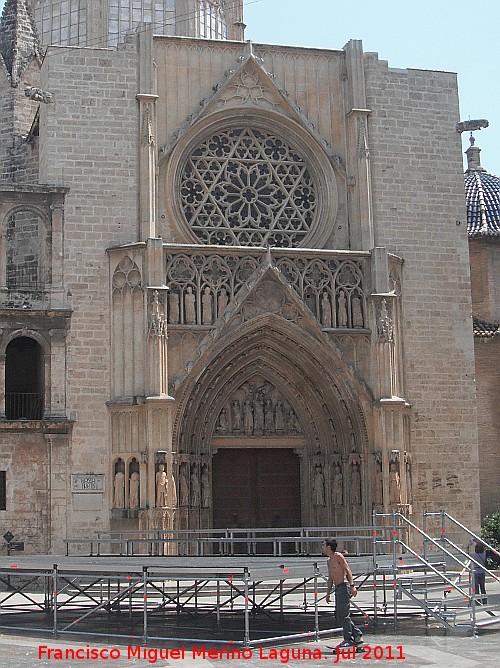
479 556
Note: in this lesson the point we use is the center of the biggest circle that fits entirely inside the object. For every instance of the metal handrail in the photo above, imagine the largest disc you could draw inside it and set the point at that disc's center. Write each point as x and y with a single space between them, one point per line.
300 537
443 513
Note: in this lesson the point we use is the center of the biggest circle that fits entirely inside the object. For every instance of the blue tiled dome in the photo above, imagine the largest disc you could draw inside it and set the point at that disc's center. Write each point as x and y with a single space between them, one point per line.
482 196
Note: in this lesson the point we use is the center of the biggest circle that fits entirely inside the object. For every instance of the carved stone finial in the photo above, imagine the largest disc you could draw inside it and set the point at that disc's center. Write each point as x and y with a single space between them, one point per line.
157 323
385 327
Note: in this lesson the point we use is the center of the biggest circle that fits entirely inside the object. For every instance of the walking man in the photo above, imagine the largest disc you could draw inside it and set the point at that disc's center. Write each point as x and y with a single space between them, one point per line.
340 575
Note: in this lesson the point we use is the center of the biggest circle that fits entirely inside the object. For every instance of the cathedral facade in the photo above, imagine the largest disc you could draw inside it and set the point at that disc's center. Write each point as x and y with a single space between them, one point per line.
234 278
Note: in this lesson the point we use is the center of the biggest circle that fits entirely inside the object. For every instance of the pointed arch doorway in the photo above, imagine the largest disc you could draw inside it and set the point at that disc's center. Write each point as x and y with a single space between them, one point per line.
256 487
270 386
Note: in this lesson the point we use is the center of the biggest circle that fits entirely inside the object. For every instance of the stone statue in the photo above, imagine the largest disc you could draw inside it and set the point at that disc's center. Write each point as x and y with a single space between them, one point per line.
247 417
173 304
161 487
269 416
355 484
206 307
236 415
326 311
292 422
279 418
119 490
222 423
394 485
195 488
337 482
357 313
190 311
183 486
258 413
318 486
342 310
134 490
221 302
205 488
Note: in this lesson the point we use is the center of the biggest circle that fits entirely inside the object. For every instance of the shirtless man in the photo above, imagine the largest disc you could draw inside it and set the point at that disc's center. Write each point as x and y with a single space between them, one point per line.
340 575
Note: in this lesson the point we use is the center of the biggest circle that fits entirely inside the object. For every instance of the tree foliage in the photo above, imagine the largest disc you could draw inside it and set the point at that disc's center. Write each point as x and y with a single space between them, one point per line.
490 532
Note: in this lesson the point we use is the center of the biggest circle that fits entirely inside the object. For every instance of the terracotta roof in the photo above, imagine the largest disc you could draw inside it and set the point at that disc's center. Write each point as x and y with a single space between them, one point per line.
485 330
482 196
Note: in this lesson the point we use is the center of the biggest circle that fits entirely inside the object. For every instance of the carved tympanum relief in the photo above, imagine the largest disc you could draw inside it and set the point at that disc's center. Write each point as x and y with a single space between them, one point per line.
257 408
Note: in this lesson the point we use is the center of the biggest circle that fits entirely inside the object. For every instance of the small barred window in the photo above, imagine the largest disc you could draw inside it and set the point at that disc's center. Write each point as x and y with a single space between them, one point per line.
248 187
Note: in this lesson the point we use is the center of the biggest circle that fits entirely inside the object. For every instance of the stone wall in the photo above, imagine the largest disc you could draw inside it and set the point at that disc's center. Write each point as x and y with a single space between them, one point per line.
485 272
419 212
89 144
488 382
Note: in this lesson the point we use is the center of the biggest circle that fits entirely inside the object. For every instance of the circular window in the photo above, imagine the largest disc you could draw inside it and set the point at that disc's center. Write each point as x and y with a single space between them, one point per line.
248 187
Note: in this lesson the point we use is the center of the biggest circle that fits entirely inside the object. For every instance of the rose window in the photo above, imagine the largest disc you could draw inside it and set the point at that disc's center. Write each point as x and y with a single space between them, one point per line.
250 188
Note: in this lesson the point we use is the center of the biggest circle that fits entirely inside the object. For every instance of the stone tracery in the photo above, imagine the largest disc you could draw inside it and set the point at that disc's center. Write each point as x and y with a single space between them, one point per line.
248 187
202 285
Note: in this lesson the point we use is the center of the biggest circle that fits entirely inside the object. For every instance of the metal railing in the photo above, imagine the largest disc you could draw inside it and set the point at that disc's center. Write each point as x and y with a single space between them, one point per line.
280 541
446 550
23 406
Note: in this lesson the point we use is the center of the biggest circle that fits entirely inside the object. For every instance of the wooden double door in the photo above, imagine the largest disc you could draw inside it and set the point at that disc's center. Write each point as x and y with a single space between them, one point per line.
256 488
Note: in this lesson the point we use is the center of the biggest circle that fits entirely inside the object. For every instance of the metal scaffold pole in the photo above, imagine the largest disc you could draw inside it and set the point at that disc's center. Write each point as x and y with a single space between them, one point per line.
145 599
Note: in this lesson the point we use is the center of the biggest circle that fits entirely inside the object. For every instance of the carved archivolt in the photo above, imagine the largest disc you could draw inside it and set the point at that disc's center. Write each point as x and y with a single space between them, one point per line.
325 413
202 286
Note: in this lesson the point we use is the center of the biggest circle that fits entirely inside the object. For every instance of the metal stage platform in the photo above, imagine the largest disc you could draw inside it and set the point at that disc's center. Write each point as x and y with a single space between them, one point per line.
242 600
248 600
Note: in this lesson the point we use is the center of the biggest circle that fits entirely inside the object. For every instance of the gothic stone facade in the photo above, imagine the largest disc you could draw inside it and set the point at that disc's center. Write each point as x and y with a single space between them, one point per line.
255 293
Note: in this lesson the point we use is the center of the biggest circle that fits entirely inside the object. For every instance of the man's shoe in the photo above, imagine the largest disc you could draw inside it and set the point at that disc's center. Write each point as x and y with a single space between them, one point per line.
346 643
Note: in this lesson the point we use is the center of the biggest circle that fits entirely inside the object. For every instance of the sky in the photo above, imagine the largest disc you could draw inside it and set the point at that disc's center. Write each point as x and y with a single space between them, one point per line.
428 34
438 35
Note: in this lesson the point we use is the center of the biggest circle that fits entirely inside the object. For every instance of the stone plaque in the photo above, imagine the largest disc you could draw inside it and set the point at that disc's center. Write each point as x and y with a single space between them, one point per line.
84 483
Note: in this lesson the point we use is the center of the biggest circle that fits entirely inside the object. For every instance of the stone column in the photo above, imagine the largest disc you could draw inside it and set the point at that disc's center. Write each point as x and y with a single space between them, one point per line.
358 153
57 297
147 135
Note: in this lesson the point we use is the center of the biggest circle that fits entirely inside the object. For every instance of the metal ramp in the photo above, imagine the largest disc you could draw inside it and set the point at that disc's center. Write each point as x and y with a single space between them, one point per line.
439 579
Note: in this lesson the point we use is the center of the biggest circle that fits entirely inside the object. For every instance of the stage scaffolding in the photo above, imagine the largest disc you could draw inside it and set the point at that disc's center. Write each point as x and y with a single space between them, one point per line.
247 599
146 600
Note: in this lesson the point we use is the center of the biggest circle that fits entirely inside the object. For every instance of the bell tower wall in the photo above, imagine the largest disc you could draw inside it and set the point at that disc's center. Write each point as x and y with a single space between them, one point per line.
419 212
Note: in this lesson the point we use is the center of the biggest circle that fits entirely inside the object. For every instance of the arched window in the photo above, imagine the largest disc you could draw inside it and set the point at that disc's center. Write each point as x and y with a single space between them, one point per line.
25 250
213 23
24 380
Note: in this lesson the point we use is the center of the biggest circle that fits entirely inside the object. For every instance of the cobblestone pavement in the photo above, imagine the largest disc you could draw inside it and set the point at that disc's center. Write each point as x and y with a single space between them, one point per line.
411 651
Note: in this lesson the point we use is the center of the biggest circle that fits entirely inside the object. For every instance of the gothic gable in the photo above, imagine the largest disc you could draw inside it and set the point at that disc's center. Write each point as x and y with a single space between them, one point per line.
249 87
265 292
